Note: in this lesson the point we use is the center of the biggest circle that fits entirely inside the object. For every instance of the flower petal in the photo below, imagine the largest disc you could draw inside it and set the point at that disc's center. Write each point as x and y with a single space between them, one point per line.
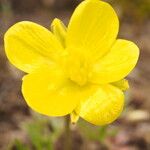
117 64
29 45
121 84
48 92
92 29
103 107
59 30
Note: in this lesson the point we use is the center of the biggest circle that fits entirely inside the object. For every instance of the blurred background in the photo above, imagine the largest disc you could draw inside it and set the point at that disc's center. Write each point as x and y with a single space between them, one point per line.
22 129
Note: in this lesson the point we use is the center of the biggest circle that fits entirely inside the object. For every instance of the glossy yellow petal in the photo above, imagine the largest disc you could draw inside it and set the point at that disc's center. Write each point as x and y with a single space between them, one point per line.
59 30
29 45
122 84
103 107
49 92
117 64
92 29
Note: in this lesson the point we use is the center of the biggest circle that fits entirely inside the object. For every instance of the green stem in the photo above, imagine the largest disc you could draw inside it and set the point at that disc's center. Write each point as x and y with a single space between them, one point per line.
68 137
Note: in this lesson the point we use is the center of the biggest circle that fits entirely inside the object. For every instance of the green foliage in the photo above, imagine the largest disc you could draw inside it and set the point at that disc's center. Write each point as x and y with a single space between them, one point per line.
42 132
18 145
40 135
96 133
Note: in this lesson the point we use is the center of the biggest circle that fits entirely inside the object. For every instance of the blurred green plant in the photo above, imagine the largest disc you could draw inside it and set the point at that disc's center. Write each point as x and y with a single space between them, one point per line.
18 145
96 133
40 135
41 132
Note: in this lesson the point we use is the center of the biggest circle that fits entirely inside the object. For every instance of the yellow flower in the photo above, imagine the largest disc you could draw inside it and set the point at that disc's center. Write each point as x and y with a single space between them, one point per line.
78 70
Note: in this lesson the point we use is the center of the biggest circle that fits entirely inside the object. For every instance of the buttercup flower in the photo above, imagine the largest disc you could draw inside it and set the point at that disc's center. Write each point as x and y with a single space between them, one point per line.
78 70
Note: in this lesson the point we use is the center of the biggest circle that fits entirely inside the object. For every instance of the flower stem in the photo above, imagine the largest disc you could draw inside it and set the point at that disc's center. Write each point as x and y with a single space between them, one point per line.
68 137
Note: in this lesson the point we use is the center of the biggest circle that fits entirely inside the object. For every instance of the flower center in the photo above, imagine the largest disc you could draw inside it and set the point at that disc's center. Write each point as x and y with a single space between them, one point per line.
78 74
78 69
